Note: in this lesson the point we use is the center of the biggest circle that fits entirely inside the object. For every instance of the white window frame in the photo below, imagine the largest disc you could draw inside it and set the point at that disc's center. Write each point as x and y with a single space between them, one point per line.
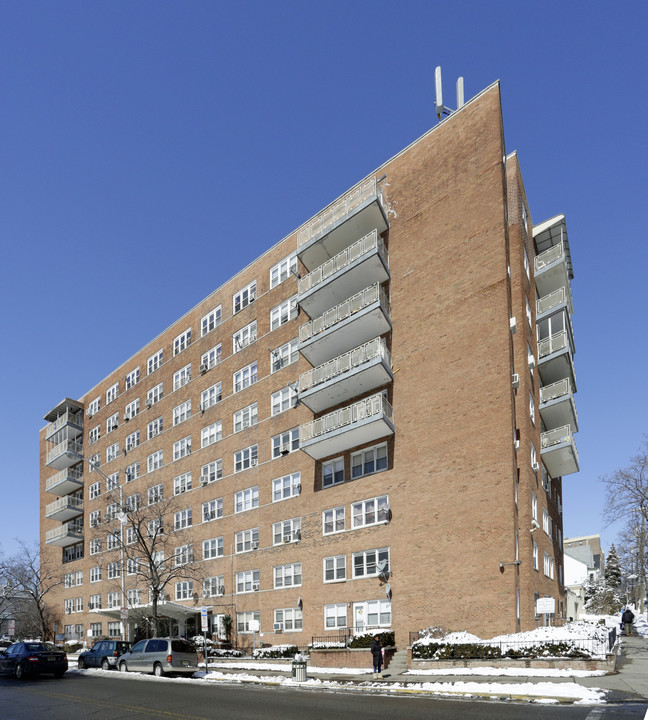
154 395
286 531
246 581
244 297
211 321
132 471
132 441
154 428
377 452
211 396
245 418
211 434
246 541
154 361
155 494
112 422
286 576
370 559
181 342
244 337
335 616
155 461
287 440
212 509
213 586
94 406
132 378
334 520
334 569
182 448
244 621
94 490
182 377
333 472
212 357
282 270
112 452
282 400
212 471
536 565
182 412
212 548
247 499
112 393
373 511
283 313
290 619
182 519
182 483
245 377
246 458
285 355
286 487
184 590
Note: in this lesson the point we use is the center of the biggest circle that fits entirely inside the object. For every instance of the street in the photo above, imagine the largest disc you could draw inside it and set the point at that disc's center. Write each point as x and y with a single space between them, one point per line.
80 696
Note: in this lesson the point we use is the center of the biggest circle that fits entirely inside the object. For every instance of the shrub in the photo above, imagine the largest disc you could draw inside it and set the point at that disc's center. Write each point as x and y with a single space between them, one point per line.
365 640
477 651
224 653
276 651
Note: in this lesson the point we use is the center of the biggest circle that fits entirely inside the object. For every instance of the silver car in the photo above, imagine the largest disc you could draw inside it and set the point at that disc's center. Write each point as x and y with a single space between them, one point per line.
160 656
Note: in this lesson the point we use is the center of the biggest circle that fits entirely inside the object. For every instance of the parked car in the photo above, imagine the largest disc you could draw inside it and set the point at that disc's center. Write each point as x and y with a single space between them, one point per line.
103 654
4 644
33 658
160 656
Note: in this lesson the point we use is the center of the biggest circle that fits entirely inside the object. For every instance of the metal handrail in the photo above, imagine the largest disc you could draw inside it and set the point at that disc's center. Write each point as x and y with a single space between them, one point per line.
374 405
548 256
549 301
61 421
555 390
72 473
69 528
63 447
552 344
556 436
64 503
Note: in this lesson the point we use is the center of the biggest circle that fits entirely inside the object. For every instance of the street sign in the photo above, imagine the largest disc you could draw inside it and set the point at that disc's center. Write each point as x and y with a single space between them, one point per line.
11 627
123 613
204 622
545 606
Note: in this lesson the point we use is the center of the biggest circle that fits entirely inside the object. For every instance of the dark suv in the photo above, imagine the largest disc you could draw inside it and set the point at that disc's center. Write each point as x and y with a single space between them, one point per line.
103 654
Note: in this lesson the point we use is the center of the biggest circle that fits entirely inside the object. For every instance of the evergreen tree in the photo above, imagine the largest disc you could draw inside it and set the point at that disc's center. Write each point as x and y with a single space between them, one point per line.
613 570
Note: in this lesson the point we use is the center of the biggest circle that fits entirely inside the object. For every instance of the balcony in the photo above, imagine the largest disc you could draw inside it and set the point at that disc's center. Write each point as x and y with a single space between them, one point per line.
64 535
64 454
365 421
557 406
64 508
559 452
351 217
70 419
551 270
555 359
357 320
65 481
357 372
356 267
560 298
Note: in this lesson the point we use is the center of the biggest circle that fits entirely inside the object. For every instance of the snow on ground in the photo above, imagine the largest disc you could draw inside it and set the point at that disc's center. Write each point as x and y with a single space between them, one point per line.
510 672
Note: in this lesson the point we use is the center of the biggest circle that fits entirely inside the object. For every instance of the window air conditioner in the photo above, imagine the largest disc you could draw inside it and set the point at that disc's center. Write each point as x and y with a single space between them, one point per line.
204 479
255 545
535 467
149 403
246 424
531 362
516 445
203 368
255 587
126 418
253 462
297 535
278 627
515 381
284 449
513 325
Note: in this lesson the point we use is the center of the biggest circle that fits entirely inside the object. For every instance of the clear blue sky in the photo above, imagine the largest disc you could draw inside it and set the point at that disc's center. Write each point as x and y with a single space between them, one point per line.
149 150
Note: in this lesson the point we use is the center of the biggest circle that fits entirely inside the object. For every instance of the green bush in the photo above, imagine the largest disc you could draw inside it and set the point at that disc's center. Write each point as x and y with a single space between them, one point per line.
476 651
276 651
365 640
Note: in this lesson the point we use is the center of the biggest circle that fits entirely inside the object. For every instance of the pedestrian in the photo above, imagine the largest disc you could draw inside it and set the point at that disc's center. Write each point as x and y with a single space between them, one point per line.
627 619
377 654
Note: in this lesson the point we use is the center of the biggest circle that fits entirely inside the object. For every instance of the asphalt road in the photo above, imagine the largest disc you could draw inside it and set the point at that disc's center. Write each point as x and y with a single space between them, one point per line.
136 697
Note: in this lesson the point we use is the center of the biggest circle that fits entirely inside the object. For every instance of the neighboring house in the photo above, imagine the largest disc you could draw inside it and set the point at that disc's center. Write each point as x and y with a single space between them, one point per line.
13 607
576 576
589 547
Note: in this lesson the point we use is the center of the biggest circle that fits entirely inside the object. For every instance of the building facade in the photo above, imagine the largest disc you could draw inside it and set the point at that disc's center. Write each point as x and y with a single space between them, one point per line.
366 428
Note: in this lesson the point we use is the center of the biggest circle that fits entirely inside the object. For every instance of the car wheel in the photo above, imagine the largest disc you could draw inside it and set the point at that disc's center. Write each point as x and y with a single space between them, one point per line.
81 663
19 672
105 665
123 668
157 670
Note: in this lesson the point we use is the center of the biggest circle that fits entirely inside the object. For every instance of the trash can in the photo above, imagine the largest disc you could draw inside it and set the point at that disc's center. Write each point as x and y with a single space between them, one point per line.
299 670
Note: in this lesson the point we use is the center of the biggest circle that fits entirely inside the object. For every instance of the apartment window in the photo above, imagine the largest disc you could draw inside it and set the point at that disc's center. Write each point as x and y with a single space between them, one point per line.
530 359
112 541
370 512
333 472
212 548
335 616
94 435
526 264
69 606
181 483
183 555
285 443
210 321
95 546
284 355
68 580
94 462
154 527
286 487
281 271
132 472
182 377
182 448
283 313
244 297
245 417
287 575
155 494
246 458
95 518
534 506
184 590
283 399
95 628
182 342
548 566
244 337
246 540
245 621
286 531
246 499
154 394
132 378
78 604
528 312
376 612
214 586
244 377
111 511
211 471
154 461
182 412
289 618
95 602
333 520
112 423
94 490
182 519
132 566
114 629
112 451
535 556
133 597
212 509
369 461
112 392
154 362
247 581
211 434
93 407
335 568
154 428
95 574
211 358
532 408
211 396
365 563
131 535
546 522
132 502
114 570
132 440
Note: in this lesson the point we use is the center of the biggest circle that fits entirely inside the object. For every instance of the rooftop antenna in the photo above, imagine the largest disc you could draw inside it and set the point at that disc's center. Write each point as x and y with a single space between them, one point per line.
441 109
460 93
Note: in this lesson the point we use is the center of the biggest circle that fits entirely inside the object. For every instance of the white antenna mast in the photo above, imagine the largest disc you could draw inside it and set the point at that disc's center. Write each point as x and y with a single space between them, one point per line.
441 109
460 93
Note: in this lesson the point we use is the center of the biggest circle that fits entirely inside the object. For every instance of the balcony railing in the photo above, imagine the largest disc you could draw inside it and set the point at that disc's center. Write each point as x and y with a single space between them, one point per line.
64 447
75 418
556 437
63 531
74 474
555 390
329 216
65 503
342 364
557 297
370 407
552 344
341 260
548 256
343 310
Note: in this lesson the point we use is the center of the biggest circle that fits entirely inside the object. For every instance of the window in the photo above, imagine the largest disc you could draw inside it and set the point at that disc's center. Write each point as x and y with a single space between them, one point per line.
112 423
95 628
534 506
547 523
211 471
532 408
112 392
93 407
182 377
244 297
112 451
94 490
212 509
369 461
525 219
94 434
154 461
154 395
182 448
95 602
154 428
244 377
95 573
184 590
132 441
281 271
245 621
114 570
333 472
246 458
94 462
78 604
69 606
133 597
131 535
375 613
535 556
132 471
154 527
285 443
247 581
132 502
68 580
132 378
112 482
335 616
528 312
132 566
283 313
154 362
211 396
95 518
183 555
211 358
182 519
526 264
210 321
289 618
112 541
182 412
155 494
370 512
131 410
246 499
182 342
333 520
335 568
244 337
286 487
247 540
212 548
181 483
284 355
211 434
111 511
245 417
214 586
548 566
113 629
365 564
286 531
287 575
283 399
95 546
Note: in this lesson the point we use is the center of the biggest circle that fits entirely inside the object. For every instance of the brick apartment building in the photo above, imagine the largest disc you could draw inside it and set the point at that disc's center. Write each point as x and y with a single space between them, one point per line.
367 427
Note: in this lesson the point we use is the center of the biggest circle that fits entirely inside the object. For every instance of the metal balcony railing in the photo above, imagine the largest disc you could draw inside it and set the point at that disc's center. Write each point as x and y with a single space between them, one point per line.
72 473
341 260
557 297
369 407
343 363
63 447
552 344
556 437
555 390
548 256
75 418
343 310
69 528
64 503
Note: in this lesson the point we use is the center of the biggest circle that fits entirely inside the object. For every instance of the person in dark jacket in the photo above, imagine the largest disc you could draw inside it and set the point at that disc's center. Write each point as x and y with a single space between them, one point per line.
627 619
376 652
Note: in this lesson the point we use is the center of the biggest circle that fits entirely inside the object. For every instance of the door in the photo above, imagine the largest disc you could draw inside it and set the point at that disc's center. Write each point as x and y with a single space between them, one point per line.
359 617
135 660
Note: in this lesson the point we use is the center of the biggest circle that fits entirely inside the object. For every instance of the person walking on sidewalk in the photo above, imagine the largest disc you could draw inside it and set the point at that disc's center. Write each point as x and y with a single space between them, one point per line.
376 652
627 618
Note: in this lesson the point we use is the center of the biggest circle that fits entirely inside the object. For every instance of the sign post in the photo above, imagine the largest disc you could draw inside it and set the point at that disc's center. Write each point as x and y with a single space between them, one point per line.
204 625
546 606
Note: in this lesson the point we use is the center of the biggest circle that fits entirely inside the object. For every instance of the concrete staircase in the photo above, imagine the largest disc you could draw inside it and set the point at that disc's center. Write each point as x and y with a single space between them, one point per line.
397 664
